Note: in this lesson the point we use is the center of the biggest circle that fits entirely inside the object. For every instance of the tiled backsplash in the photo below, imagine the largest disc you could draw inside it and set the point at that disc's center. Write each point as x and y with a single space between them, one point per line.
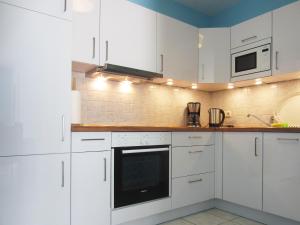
146 104
157 105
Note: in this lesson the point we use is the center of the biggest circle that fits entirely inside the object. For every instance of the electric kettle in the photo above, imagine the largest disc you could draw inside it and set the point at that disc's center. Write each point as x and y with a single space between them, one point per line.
216 117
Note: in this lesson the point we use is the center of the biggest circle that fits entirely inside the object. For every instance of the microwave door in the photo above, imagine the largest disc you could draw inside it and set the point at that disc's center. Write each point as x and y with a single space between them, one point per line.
245 63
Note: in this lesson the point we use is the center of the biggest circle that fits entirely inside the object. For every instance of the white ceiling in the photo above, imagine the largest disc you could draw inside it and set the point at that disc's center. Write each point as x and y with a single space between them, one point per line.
208 7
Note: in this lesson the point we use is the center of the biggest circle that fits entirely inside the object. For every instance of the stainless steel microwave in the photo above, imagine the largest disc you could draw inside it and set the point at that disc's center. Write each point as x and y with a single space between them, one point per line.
251 63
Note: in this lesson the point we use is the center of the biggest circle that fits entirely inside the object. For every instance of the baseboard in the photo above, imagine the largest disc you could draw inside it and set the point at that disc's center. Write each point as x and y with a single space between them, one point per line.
252 214
173 214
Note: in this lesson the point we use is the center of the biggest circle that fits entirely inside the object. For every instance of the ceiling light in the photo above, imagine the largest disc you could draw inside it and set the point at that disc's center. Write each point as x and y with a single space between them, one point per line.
258 82
170 82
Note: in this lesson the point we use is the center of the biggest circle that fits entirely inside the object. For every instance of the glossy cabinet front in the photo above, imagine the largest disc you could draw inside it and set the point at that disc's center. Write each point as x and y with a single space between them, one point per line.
35 80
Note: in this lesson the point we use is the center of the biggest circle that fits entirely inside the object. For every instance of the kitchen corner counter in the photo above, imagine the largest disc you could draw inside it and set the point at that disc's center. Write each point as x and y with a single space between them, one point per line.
103 128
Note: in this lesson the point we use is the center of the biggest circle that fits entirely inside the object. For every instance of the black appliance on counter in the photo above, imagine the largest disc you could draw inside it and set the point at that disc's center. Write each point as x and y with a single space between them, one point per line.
141 174
216 117
193 114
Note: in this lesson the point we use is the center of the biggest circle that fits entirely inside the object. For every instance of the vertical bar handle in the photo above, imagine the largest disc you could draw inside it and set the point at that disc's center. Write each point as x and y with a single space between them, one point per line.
255 146
62 128
161 63
106 50
276 60
65 5
105 169
62 174
94 47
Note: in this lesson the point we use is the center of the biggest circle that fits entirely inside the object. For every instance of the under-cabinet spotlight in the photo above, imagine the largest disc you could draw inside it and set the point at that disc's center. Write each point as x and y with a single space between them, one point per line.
125 86
170 82
258 82
100 83
230 86
194 86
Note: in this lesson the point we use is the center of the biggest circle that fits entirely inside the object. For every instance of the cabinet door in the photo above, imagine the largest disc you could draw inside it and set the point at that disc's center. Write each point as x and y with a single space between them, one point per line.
286 36
242 169
252 30
214 55
91 188
282 175
35 80
128 35
177 49
86 31
57 8
35 190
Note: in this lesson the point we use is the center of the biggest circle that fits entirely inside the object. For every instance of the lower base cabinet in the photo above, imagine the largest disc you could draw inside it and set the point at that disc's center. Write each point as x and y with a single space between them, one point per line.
282 175
35 190
192 189
90 188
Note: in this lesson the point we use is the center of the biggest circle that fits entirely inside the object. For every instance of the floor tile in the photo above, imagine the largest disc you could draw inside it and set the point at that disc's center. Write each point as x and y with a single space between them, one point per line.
177 222
204 219
244 221
222 214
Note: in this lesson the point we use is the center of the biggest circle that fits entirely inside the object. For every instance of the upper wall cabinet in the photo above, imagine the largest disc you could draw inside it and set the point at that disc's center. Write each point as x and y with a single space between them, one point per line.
286 36
214 55
57 8
86 31
128 35
35 83
177 49
252 30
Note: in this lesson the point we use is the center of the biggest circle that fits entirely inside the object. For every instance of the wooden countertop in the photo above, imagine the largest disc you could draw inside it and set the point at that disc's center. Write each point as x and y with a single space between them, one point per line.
101 128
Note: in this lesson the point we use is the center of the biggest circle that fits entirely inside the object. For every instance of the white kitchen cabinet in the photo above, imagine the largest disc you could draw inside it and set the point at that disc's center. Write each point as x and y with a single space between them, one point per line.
128 35
35 80
91 141
192 189
214 55
57 8
86 31
286 36
282 174
35 190
90 188
177 49
242 169
251 30
192 160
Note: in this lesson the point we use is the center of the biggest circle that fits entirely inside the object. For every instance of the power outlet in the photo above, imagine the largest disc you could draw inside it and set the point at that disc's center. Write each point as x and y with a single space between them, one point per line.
228 114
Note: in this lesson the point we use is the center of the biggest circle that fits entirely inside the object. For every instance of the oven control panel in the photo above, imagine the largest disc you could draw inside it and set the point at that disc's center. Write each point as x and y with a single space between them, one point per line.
126 139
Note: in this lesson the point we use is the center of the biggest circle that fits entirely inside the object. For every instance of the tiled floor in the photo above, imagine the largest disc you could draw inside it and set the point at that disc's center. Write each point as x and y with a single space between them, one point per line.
212 217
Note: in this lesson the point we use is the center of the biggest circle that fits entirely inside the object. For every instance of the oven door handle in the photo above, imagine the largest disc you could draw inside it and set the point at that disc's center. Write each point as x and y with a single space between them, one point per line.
135 151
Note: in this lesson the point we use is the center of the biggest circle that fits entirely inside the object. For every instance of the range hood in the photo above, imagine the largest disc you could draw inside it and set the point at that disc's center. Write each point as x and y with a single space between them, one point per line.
126 71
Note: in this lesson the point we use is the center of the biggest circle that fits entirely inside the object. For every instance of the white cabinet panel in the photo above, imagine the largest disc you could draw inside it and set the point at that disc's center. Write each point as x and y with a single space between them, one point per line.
286 36
180 139
91 188
57 8
192 189
214 55
128 34
35 80
282 175
91 141
177 49
252 30
242 169
35 190
86 31
192 160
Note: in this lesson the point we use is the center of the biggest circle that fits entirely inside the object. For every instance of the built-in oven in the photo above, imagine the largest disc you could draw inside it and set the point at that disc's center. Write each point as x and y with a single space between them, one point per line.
249 63
141 174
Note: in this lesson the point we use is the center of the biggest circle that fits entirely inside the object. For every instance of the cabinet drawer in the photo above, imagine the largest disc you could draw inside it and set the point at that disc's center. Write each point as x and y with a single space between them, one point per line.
192 189
180 139
91 141
192 160
252 30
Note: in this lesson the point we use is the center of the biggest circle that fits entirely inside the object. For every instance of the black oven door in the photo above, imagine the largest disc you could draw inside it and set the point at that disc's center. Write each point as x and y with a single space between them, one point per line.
140 174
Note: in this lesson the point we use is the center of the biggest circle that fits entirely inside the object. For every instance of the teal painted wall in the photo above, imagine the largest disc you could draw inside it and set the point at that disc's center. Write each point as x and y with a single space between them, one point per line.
244 10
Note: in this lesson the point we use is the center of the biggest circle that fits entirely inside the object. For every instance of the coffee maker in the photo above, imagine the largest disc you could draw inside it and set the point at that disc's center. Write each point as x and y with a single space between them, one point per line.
193 114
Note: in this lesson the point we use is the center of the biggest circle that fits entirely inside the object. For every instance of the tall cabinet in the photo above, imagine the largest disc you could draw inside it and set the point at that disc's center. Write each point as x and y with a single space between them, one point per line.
35 80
